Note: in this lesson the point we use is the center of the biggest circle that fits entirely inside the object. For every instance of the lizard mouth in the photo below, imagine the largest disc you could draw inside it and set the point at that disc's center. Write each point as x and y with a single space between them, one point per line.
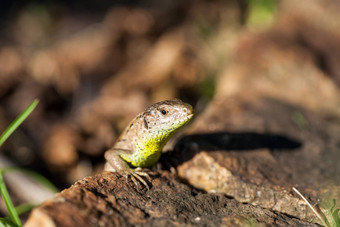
189 117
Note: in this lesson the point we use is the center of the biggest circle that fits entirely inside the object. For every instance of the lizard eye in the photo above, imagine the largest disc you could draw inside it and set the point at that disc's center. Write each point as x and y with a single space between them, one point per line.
163 112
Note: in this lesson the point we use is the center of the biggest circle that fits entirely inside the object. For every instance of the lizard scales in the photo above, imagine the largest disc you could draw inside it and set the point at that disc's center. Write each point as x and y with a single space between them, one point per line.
141 143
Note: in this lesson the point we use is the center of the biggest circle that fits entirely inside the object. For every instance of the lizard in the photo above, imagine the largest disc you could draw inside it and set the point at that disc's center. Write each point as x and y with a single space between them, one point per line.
141 142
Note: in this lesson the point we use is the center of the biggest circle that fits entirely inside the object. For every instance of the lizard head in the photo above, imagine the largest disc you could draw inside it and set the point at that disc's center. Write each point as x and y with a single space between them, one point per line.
167 116
161 120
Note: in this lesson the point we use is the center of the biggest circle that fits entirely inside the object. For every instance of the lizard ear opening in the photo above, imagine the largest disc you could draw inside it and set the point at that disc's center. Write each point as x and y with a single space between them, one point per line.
145 123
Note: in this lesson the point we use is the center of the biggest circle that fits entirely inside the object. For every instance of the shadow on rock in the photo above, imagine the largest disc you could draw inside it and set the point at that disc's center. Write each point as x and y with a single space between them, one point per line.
189 145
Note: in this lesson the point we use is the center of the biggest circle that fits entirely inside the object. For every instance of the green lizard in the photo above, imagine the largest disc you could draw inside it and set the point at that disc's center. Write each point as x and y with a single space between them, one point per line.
140 144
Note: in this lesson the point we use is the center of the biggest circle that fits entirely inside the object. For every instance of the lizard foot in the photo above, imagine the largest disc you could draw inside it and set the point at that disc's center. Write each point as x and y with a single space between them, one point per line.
136 175
146 172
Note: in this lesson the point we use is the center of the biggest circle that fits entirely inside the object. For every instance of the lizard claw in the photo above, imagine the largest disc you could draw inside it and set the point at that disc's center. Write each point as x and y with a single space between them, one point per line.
147 172
140 172
136 175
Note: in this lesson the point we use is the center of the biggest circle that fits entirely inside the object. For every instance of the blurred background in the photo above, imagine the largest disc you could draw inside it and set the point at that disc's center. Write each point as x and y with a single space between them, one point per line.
95 64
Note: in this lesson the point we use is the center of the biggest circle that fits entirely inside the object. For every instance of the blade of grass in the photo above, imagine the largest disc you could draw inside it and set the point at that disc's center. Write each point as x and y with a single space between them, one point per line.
11 210
38 177
15 221
14 125
336 217
25 207
6 222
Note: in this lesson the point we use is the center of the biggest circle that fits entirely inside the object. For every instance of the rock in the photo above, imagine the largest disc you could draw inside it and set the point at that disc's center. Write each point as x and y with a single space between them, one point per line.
107 200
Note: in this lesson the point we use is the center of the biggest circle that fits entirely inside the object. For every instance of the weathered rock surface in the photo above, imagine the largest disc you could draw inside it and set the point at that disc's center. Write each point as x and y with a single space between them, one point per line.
106 200
257 158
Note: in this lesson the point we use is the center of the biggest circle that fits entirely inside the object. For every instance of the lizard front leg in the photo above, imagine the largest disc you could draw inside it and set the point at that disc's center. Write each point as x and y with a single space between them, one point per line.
114 163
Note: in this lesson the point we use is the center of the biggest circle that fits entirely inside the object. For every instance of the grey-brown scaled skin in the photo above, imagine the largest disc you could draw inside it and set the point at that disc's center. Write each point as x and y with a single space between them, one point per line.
140 144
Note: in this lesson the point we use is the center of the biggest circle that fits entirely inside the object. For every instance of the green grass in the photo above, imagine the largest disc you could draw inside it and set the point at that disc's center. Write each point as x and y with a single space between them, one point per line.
261 12
14 212
15 124
330 209
39 178
10 207
329 217
299 119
